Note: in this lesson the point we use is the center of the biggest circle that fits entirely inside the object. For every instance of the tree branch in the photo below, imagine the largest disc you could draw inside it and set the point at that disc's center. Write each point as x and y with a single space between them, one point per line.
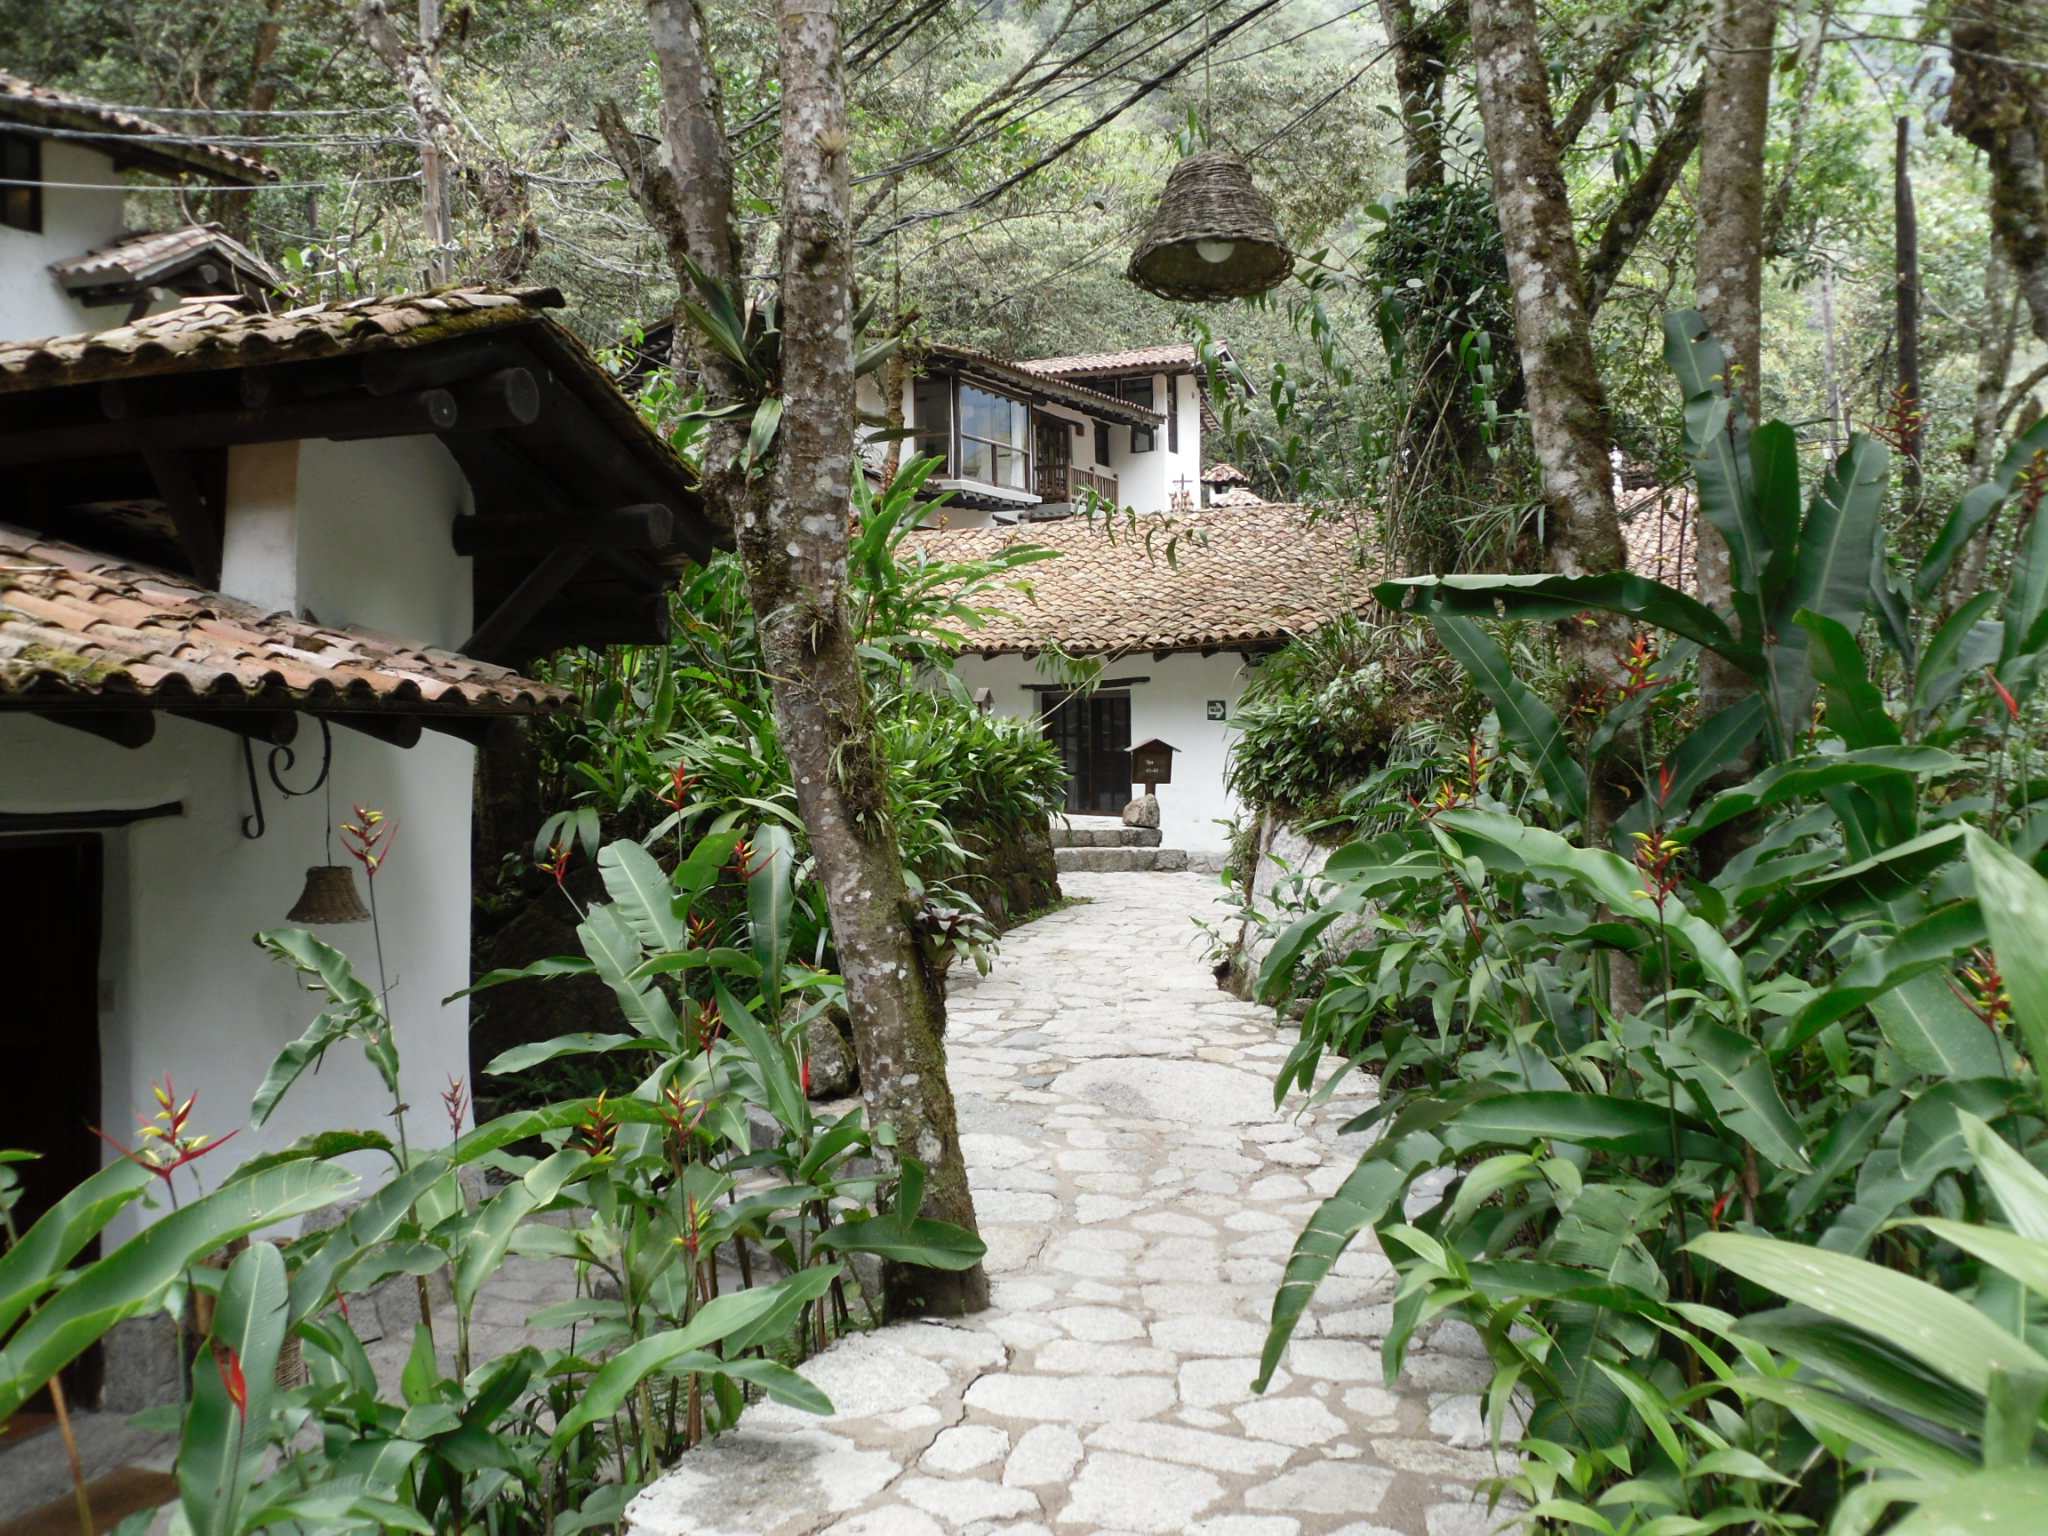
1631 217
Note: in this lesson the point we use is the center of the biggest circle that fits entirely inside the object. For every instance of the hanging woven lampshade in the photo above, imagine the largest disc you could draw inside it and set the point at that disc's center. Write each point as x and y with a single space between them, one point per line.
329 897
1213 237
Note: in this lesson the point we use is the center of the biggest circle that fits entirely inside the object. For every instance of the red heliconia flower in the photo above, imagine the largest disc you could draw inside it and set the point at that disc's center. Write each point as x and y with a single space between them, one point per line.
680 783
692 1225
1720 1208
702 930
167 1143
557 863
807 1074
1666 782
709 1025
1637 665
455 1099
683 1113
2012 705
1656 860
1984 990
230 1367
743 859
368 840
600 1128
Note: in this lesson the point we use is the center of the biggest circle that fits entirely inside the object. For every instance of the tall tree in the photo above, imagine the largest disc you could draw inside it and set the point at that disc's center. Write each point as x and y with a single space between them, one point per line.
1999 102
1906 308
1729 257
1421 49
791 527
1553 331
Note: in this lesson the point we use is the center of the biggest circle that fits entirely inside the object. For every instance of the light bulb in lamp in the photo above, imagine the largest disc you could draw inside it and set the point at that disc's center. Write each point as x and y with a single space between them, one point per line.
1215 252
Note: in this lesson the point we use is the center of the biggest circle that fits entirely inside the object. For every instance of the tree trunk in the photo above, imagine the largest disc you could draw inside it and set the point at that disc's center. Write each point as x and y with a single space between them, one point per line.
795 557
2000 104
1418 50
414 69
1906 300
1567 406
791 530
1987 417
1729 262
1642 198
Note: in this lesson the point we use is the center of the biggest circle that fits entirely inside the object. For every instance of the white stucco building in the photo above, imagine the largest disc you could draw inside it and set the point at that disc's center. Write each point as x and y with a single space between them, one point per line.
1175 609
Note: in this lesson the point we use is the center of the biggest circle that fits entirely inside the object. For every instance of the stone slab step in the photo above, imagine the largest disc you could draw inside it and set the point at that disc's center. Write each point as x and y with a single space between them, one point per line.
1120 860
1102 832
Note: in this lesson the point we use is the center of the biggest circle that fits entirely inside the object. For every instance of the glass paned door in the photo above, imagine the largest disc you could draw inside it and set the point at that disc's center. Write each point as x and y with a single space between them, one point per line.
1093 736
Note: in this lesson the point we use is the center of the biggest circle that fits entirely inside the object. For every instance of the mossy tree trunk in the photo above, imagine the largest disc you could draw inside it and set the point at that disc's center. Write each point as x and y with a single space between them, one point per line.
790 525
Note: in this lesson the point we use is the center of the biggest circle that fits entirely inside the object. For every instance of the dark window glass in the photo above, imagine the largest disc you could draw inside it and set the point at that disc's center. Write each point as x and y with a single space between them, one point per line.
1139 392
932 400
1172 414
1102 443
21 160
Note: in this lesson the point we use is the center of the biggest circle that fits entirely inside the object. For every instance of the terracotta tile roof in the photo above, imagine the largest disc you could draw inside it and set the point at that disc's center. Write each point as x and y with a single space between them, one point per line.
1060 391
1660 526
1176 357
124 134
1225 474
210 334
1239 578
1238 496
139 260
77 626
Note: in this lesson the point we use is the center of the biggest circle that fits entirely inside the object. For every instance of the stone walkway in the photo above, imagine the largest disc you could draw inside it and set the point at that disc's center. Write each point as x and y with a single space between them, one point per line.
1139 1195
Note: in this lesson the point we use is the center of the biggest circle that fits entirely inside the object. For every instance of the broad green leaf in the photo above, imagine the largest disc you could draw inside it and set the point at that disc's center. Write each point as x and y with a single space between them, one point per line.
1832 574
1942 1331
1868 1367
1855 706
520 1057
1608 878
2021 1188
319 1145
920 1240
325 1032
1898 1445
134 1276
487 1240
1976 505
771 1056
771 898
2020 1257
1735 1076
641 893
1968 642
1627 1126
313 1286
1527 719
717 1319
2008 1503
60 1234
1924 945
615 952
1366 1195
1553 597
224 1445
1806 776
1934 1033
2014 900
559 965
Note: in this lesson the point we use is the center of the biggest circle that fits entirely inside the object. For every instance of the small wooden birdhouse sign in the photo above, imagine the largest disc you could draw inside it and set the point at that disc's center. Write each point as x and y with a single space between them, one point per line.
1152 762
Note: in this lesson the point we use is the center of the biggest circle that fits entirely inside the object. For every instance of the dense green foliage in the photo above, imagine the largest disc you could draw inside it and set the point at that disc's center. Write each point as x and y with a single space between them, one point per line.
1796 1003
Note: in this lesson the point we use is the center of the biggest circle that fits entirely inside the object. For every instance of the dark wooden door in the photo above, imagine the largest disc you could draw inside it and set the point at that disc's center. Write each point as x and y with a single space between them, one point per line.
1055 445
50 1027
1093 735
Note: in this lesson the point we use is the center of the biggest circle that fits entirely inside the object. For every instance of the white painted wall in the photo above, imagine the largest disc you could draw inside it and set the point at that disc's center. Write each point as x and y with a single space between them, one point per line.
360 536
32 305
1172 706
1146 482
183 988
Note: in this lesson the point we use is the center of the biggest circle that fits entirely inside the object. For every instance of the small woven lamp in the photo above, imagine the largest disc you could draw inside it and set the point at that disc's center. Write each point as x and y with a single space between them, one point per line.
1213 237
329 897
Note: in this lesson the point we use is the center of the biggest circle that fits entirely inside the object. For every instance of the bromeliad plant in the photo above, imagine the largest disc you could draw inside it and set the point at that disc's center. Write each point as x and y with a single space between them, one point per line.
1628 1062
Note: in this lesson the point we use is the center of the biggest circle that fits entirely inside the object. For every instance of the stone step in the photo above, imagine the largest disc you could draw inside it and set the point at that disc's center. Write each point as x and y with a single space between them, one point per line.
1120 860
1102 832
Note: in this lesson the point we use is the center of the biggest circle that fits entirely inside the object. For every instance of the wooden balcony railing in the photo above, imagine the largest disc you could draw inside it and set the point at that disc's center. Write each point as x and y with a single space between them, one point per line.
1066 483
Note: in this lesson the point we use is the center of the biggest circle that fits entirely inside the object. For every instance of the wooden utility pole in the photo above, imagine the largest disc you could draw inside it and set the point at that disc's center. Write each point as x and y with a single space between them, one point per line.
440 238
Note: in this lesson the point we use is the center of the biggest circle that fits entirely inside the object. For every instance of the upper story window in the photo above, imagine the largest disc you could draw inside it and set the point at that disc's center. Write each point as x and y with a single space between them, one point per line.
993 445
1102 443
21 172
1139 392
932 408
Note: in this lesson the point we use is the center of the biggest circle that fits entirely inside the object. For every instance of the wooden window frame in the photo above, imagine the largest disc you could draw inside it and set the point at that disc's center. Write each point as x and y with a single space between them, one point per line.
1173 413
21 159
1028 448
1102 459
1123 392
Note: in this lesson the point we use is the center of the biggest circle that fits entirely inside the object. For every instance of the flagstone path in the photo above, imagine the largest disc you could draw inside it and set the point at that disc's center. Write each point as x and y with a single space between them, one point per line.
1139 1195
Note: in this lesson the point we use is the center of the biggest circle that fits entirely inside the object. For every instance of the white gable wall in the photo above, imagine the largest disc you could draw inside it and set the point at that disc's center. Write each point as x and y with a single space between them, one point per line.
183 988
1172 705
32 305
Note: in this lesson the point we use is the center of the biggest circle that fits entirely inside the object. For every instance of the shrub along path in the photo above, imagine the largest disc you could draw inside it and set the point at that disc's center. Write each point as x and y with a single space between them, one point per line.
1139 1195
